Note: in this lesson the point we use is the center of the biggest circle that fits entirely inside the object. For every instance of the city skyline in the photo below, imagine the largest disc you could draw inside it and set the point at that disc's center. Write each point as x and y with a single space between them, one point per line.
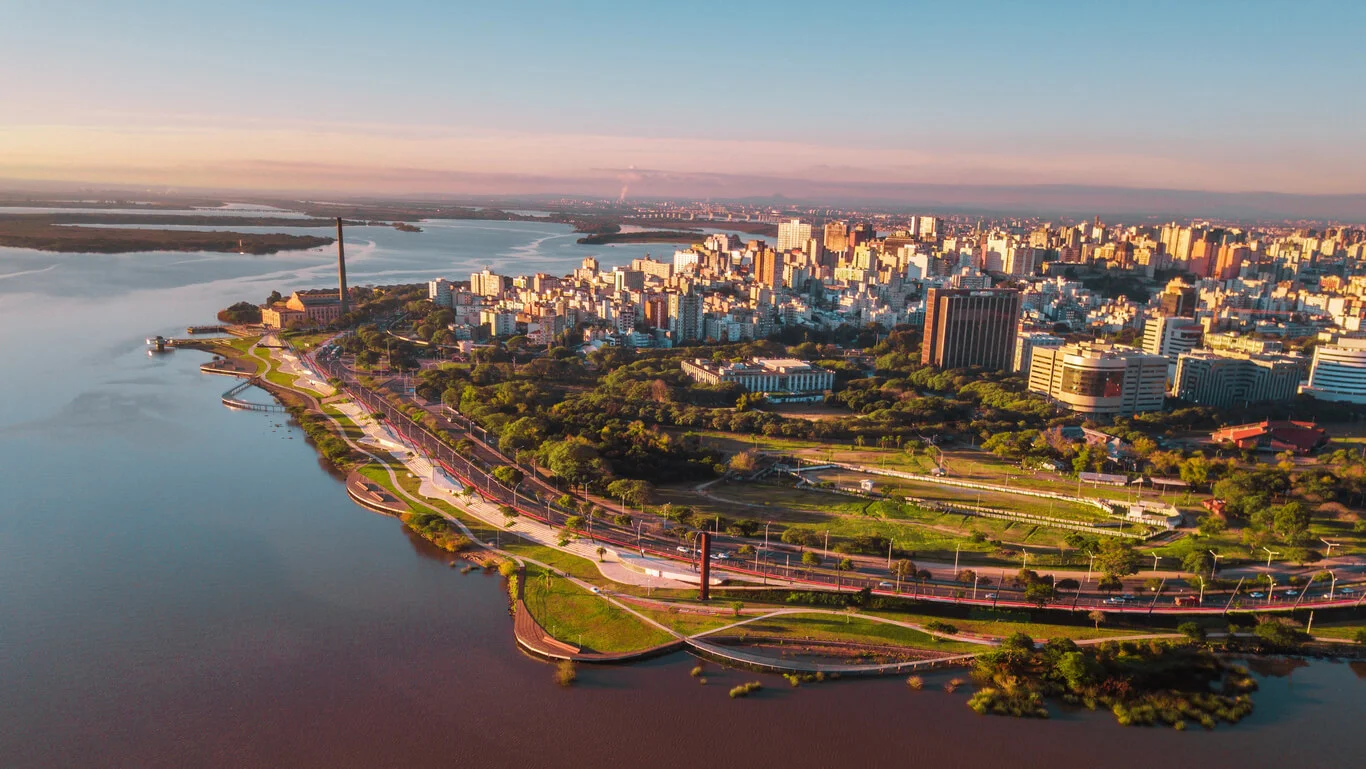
736 101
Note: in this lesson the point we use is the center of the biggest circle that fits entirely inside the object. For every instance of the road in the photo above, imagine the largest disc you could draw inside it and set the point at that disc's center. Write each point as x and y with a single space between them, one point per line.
779 563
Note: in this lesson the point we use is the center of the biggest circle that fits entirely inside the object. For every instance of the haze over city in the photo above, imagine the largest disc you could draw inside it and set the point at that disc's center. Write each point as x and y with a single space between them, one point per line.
863 101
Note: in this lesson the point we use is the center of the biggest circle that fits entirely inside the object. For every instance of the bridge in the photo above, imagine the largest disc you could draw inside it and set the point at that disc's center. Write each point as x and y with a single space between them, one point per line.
231 400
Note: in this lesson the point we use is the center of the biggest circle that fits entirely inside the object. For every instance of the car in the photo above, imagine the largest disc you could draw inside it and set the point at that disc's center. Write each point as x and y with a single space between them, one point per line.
723 556
1128 596
1346 590
990 596
1114 599
596 590
682 549
1291 593
885 584
1257 594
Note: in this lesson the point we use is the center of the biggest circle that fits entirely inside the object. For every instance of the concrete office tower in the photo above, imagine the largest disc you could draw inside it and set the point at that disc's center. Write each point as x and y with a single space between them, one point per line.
1171 336
793 234
1100 379
341 267
1026 342
1339 372
965 328
1229 380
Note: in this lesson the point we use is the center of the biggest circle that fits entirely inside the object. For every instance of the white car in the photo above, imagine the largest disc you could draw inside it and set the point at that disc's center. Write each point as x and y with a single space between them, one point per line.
885 584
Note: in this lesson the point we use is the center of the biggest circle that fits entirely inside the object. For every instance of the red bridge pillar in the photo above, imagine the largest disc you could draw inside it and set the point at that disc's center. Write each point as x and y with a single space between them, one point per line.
704 592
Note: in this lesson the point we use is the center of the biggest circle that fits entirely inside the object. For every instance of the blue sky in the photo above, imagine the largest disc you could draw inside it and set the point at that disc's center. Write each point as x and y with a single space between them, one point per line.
1197 95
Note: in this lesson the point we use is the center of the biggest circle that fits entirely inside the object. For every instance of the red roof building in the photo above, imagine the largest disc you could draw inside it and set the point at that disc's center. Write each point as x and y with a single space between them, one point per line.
1299 437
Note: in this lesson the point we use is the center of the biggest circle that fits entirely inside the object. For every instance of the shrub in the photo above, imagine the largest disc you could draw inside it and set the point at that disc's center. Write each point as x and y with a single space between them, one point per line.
565 673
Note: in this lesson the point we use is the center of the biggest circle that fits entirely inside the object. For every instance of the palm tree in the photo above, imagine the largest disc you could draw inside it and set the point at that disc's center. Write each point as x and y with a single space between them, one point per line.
601 551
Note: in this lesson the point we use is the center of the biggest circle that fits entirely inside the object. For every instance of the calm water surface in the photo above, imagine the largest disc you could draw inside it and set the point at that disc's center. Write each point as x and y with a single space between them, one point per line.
187 586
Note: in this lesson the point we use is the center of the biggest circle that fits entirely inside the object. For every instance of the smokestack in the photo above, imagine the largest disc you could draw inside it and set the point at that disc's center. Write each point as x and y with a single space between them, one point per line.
341 267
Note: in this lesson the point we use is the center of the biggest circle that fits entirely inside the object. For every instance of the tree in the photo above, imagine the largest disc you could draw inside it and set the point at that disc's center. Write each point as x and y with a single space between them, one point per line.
634 493
508 475
744 550
736 607
1212 525
802 538
1117 558
1191 630
1196 562
1279 633
1110 583
810 560
601 551
903 569
1039 593
1195 470
744 462
1097 616
1360 636
509 514
1067 584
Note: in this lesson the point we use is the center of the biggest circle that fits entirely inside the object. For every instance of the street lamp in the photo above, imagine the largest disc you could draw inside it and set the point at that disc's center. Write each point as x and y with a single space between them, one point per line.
1330 545
1155 559
1332 586
1202 589
956 548
1269 553
1090 566
766 525
1215 568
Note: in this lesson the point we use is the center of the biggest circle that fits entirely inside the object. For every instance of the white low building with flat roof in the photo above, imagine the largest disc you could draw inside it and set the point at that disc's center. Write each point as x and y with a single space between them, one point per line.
763 374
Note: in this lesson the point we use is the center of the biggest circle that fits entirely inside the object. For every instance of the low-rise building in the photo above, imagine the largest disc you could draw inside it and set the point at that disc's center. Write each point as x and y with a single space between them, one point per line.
763 374
1285 435
313 308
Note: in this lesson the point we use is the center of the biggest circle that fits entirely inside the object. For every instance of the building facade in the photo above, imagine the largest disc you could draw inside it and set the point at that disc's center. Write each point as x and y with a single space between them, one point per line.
763 374
965 328
1099 379
1339 372
1229 380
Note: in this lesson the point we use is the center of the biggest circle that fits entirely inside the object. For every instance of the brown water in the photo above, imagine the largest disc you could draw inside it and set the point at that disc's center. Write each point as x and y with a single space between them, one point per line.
186 586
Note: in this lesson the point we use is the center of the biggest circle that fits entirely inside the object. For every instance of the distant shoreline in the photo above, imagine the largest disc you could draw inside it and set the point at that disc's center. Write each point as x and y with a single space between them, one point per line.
647 236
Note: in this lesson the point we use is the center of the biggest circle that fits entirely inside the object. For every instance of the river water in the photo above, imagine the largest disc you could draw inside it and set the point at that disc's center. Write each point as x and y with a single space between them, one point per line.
187 586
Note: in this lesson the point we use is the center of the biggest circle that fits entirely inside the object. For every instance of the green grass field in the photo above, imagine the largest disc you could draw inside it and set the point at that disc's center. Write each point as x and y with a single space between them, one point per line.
826 627
574 615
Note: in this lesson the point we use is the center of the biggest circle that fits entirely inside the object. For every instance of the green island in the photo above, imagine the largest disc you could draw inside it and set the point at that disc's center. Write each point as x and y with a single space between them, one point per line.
46 236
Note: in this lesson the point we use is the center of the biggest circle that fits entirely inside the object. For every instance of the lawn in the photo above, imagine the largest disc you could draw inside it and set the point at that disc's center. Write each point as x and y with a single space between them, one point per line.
576 616
1003 628
826 627
688 623
928 534
1345 630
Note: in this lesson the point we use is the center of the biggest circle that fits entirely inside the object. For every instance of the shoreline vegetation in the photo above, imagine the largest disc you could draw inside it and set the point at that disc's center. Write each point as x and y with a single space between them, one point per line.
54 231
646 236
1147 677
42 236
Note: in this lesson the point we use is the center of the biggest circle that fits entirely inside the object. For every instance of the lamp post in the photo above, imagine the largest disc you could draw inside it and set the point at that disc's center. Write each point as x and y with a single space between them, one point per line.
766 525
956 548
1090 566
1330 546
1269 553
890 543
1332 586
1214 568
1155 559
1202 589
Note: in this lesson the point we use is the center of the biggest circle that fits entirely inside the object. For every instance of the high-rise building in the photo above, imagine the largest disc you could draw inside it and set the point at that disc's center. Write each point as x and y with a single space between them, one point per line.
861 234
928 226
1230 262
836 236
439 291
1338 372
1025 342
1023 260
1091 378
1229 380
486 283
685 260
1179 299
1169 336
793 234
966 328
766 267
685 317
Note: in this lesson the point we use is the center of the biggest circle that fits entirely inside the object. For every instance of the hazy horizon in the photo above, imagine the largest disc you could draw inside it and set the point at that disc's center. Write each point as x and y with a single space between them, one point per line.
1234 106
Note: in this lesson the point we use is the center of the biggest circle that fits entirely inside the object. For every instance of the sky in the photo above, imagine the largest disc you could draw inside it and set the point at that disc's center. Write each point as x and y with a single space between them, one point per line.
715 98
